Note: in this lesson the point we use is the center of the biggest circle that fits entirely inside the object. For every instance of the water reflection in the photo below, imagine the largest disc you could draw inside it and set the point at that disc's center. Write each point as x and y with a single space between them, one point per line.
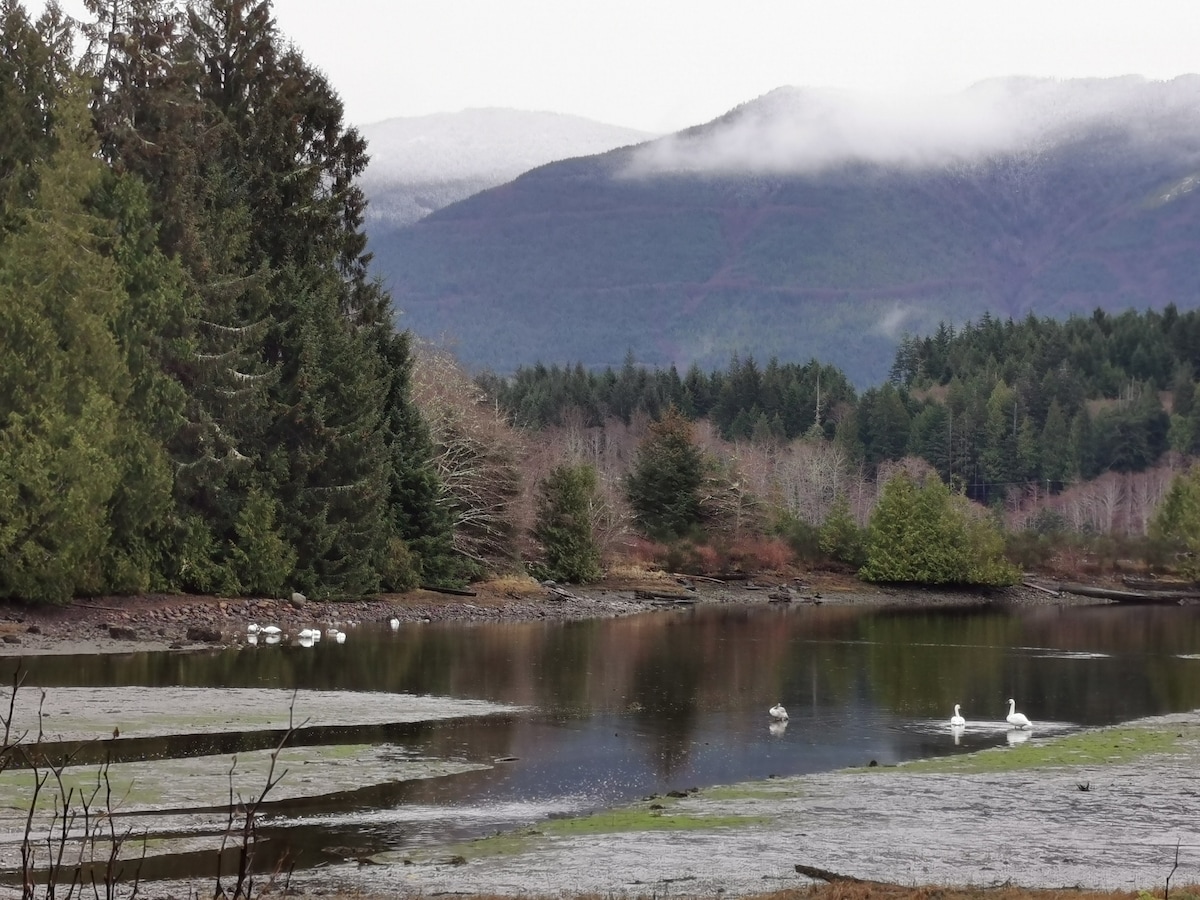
625 707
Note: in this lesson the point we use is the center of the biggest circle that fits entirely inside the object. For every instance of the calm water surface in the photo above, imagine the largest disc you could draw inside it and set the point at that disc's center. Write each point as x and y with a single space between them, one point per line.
621 708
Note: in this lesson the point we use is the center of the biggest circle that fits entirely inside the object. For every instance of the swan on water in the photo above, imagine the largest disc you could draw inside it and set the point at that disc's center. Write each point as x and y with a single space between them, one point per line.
252 628
956 720
778 712
271 629
307 634
1016 719
395 623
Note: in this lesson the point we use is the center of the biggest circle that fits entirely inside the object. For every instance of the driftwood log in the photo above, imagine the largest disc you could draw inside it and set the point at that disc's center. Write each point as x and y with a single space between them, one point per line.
703 578
1037 587
833 877
457 592
1125 596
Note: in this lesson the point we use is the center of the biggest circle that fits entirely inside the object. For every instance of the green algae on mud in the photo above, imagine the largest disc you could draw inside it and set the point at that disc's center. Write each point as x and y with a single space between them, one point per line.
753 790
622 820
1088 748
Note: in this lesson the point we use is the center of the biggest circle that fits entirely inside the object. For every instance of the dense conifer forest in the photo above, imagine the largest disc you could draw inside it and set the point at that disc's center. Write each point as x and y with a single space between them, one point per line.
202 386
995 406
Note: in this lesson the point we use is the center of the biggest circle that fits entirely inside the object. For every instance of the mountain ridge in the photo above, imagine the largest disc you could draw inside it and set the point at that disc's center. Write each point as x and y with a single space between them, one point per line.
420 164
590 258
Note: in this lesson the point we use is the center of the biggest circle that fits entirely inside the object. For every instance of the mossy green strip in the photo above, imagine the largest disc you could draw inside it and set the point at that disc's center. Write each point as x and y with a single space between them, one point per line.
633 818
753 790
624 820
1107 746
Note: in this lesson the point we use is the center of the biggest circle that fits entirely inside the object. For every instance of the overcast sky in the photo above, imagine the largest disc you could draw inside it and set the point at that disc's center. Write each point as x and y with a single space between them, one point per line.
661 65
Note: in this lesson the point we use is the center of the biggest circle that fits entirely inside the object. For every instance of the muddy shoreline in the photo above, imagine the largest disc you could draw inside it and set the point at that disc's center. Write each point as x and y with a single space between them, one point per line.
1120 826
1094 824
175 622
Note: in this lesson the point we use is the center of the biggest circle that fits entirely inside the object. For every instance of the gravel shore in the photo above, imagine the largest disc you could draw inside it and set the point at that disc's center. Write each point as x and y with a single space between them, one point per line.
150 622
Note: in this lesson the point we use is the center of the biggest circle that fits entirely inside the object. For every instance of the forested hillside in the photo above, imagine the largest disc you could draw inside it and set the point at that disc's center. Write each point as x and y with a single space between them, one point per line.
201 387
797 226
995 406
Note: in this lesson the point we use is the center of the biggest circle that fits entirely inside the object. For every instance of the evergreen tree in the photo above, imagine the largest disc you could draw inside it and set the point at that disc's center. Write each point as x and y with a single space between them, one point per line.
1057 462
664 485
35 67
841 538
1177 522
566 502
926 535
63 380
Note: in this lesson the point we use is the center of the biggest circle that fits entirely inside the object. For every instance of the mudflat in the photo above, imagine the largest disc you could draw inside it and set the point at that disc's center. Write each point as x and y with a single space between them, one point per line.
1109 809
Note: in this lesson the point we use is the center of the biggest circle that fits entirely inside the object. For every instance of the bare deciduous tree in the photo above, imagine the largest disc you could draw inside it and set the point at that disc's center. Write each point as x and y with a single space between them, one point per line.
477 454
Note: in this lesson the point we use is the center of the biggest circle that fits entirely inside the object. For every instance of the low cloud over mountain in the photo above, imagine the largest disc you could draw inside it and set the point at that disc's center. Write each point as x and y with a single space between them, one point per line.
816 223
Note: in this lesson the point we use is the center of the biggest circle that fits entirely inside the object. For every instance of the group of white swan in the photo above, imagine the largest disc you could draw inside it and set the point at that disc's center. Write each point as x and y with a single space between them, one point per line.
306 637
1014 718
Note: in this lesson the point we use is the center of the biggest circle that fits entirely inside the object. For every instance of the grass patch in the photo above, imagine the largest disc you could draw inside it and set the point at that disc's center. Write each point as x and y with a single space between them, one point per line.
634 818
514 586
1107 746
755 790
629 819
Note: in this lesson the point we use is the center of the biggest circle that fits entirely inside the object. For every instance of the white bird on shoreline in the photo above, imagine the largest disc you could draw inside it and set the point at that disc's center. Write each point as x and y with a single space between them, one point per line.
778 712
395 623
271 629
956 720
1016 719
252 628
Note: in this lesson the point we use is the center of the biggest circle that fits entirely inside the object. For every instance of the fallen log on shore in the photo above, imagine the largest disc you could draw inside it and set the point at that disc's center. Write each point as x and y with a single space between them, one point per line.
836 877
1123 596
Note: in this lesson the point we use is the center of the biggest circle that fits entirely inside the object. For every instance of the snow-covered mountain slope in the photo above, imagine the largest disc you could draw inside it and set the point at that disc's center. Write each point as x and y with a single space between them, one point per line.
422 163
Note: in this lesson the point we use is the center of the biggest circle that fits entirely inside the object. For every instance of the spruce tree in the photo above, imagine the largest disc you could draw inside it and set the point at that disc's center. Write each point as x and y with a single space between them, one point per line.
63 379
567 499
664 485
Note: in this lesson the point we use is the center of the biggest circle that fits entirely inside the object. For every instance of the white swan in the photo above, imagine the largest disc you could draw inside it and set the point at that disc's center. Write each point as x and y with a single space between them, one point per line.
252 628
957 721
271 629
395 623
307 634
1016 719
778 712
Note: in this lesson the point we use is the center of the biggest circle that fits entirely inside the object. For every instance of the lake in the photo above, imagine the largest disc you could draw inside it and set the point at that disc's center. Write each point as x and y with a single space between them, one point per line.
434 733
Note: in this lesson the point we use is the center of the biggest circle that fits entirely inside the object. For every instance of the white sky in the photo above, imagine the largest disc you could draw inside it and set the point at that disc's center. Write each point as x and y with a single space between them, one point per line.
661 65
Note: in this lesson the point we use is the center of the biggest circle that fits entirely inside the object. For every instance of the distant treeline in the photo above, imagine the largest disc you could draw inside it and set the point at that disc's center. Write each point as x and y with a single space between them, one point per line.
993 406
